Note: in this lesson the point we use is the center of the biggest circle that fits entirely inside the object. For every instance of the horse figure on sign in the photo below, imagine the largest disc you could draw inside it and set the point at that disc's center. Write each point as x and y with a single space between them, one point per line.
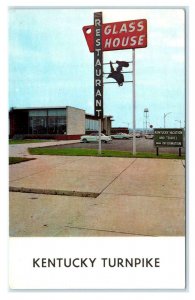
116 74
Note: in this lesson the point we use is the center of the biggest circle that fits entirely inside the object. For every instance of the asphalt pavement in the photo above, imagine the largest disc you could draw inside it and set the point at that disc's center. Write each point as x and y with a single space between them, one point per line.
142 145
95 196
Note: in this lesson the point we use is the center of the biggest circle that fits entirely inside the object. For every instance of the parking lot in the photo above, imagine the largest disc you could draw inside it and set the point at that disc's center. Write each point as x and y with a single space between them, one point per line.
142 145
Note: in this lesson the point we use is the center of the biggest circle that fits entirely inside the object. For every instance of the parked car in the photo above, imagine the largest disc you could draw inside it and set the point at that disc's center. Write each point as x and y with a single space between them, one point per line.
138 134
120 135
149 136
94 137
130 135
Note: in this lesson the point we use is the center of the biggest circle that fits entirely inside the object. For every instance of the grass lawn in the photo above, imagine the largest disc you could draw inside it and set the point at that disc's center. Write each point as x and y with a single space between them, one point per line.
16 160
94 152
13 142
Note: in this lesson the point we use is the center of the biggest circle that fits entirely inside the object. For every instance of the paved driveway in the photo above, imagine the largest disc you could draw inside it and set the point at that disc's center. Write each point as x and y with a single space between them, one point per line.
96 196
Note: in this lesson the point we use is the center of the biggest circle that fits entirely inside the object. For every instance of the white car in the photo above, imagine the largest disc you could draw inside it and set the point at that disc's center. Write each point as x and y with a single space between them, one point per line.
138 135
120 135
94 137
149 136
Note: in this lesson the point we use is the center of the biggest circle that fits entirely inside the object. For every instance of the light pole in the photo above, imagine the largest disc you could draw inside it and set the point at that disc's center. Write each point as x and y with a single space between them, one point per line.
179 122
165 115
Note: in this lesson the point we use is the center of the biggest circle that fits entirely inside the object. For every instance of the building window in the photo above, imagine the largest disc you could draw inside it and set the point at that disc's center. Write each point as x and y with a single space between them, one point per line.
57 121
91 125
38 121
52 121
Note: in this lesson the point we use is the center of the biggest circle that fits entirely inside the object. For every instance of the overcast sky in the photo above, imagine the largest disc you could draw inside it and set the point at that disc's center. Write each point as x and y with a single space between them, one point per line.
50 64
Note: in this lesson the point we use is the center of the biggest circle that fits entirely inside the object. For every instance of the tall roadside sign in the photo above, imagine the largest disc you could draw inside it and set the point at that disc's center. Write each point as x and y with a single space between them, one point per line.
98 71
98 66
108 37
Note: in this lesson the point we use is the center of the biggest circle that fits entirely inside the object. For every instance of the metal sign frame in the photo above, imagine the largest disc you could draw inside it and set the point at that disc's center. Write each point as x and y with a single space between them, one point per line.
96 38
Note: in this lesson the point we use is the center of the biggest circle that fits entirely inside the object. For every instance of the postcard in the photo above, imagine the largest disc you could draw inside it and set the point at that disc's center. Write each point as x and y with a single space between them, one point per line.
97 145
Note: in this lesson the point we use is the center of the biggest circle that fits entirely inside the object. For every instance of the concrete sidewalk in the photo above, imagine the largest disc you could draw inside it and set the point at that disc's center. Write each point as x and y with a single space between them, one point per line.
129 196
21 150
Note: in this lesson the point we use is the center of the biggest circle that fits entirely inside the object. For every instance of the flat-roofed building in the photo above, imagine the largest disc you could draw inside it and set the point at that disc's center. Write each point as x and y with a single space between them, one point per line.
54 122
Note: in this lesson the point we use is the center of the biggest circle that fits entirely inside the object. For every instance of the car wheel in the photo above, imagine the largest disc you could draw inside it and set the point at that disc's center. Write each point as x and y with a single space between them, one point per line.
84 140
105 142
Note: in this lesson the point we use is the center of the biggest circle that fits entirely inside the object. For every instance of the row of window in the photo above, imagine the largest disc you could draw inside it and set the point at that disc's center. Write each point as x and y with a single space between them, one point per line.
49 112
43 125
53 121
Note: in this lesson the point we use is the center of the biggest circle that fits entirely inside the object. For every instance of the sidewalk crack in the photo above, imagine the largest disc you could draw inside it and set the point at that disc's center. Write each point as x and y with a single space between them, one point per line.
131 163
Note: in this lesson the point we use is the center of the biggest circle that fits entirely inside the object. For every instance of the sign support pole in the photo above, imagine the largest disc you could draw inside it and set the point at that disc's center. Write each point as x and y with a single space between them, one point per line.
100 144
157 152
133 94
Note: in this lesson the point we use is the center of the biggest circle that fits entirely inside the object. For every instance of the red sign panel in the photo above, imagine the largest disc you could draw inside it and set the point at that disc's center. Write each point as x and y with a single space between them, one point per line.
119 35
